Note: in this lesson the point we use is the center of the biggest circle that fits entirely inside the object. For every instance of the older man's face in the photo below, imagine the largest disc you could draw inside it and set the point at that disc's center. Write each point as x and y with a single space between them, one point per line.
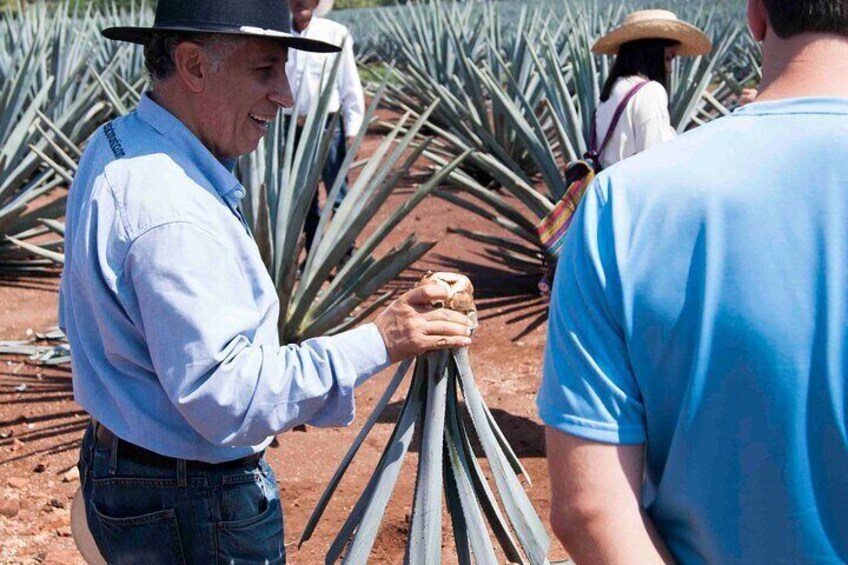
243 97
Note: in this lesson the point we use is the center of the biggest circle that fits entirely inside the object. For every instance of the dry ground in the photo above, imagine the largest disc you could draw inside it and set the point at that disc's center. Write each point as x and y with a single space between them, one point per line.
40 427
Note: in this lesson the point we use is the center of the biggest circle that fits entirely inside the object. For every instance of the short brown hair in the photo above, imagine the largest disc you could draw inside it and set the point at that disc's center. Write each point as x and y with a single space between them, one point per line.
789 18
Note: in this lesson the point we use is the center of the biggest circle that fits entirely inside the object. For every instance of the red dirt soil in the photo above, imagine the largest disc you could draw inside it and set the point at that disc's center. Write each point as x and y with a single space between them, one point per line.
41 426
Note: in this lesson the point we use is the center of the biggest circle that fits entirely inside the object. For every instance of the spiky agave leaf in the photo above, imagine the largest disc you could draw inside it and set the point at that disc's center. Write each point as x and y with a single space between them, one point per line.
281 179
446 461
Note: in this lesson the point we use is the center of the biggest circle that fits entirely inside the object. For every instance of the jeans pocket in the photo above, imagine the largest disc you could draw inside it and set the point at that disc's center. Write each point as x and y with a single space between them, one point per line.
244 497
252 526
144 539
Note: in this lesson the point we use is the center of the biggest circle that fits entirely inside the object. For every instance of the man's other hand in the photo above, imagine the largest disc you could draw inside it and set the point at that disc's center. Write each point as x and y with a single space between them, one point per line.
410 325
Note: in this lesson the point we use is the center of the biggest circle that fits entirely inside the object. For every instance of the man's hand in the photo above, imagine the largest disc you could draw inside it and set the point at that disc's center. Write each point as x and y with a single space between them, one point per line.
410 325
748 95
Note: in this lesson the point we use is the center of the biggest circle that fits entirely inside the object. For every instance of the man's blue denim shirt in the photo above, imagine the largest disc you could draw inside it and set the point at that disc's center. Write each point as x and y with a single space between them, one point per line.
171 313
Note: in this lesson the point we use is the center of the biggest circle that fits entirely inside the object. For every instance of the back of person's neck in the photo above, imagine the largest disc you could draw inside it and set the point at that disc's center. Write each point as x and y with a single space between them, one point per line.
810 64
180 104
301 25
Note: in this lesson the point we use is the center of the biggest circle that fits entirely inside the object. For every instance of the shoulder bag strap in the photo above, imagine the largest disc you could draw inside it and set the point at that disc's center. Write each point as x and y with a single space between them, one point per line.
615 119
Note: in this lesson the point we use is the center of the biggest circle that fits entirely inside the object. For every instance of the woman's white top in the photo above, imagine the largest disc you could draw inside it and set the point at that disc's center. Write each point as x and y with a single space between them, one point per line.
645 121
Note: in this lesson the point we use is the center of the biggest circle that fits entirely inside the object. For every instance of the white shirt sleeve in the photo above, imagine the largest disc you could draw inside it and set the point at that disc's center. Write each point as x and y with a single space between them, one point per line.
350 89
651 120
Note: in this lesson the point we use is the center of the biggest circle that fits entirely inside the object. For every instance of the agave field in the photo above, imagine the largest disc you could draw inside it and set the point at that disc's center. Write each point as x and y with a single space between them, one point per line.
493 99
517 86
495 96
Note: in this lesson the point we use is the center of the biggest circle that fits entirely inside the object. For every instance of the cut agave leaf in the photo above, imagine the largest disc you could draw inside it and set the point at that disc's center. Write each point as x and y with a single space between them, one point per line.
446 463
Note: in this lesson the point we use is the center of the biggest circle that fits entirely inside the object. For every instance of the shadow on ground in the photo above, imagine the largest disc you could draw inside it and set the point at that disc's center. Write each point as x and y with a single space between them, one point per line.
38 415
46 282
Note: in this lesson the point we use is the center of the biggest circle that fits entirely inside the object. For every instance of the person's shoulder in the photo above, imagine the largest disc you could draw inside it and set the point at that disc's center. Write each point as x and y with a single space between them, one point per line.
653 92
655 88
333 27
154 188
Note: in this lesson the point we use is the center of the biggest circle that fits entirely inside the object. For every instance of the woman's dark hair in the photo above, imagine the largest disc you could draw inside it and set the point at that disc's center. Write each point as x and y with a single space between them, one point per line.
789 18
643 57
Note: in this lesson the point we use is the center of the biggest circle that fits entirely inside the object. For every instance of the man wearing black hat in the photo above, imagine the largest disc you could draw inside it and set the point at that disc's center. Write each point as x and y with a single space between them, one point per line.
172 315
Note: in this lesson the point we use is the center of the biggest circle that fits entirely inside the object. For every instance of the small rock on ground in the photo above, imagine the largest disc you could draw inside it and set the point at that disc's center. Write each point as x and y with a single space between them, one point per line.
9 508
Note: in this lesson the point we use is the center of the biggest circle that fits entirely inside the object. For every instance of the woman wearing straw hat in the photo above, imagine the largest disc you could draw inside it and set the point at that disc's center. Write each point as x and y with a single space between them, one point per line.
633 113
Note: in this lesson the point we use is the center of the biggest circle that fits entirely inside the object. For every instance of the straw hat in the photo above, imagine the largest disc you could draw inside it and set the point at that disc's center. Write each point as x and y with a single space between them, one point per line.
82 535
324 6
655 24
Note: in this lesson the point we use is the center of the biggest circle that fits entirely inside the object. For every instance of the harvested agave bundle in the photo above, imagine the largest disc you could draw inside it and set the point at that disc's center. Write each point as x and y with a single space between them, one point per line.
434 412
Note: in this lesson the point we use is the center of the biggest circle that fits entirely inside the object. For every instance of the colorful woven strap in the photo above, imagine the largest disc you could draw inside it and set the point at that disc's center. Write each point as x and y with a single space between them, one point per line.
552 228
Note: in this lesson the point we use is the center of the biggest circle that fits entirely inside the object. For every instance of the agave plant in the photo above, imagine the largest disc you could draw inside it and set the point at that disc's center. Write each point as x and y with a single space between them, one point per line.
558 132
433 411
520 98
281 179
50 103
440 44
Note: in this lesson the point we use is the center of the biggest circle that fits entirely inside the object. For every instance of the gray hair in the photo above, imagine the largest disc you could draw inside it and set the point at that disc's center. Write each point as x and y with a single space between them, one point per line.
159 51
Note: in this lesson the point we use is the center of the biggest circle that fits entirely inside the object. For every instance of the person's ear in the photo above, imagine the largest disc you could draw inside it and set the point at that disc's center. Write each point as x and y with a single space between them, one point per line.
757 19
190 66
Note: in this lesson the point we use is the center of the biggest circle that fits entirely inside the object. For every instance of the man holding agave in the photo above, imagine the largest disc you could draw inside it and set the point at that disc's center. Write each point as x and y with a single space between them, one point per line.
172 315
696 375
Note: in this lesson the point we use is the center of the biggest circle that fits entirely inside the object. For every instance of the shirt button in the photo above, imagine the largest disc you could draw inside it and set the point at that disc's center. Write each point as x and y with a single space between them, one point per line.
238 193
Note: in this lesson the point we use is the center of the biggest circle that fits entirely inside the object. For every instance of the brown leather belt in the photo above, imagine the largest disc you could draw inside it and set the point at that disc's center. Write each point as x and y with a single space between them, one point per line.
132 452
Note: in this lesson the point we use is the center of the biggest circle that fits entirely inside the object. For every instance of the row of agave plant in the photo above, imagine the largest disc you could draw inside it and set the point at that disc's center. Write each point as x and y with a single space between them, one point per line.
518 91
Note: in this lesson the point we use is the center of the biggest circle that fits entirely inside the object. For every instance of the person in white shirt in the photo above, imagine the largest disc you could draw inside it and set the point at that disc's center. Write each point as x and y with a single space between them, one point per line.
304 72
645 45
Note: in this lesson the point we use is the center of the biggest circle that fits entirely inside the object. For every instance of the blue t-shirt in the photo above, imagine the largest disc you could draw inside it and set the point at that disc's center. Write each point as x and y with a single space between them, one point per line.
701 307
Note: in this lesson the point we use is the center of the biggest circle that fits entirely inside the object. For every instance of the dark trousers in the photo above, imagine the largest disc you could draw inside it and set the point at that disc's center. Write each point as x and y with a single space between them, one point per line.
144 510
335 157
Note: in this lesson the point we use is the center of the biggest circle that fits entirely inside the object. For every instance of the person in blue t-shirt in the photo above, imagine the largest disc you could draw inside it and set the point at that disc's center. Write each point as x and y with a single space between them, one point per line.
695 384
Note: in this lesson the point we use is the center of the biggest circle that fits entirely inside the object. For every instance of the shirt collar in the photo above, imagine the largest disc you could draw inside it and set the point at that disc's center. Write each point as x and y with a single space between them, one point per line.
802 105
219 172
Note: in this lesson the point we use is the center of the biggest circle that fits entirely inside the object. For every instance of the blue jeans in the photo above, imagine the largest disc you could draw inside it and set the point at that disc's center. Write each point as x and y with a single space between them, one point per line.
335 157
145 514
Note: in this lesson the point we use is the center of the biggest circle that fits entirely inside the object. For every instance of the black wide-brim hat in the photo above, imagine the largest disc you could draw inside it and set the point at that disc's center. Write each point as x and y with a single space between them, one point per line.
267 19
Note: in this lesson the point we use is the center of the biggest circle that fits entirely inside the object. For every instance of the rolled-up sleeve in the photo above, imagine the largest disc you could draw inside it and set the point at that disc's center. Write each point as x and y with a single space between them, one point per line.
588 387
199 317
